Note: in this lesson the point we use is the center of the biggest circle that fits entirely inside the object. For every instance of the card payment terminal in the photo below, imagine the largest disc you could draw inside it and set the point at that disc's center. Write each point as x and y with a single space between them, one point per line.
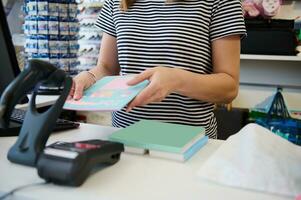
71 163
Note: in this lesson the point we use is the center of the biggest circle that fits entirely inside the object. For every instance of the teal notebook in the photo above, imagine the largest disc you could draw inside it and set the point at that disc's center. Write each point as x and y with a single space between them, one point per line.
159 136
108 94
181 156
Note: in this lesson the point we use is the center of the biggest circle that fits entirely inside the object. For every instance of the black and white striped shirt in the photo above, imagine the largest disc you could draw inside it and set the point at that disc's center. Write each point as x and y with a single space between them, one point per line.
177 34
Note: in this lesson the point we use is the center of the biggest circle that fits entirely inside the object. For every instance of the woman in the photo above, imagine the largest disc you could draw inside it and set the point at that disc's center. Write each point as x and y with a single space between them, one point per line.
189 51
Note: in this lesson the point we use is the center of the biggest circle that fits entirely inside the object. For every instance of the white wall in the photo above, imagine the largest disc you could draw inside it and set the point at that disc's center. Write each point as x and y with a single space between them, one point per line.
272 72
249 96
290 9
269 72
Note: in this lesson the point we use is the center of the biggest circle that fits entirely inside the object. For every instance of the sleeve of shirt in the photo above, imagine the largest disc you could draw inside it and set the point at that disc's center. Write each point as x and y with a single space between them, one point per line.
105 19
227 19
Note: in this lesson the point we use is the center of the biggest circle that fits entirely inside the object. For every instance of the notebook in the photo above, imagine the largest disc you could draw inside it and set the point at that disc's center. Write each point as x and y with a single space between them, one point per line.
161 139
181 156
108 94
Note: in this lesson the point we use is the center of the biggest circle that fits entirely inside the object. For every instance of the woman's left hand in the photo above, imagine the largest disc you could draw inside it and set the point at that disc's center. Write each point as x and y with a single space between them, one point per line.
163 81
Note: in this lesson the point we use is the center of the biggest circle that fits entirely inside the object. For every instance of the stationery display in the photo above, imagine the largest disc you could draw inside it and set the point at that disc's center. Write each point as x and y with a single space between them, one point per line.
89 36
108 94
51 29
159 139
63 33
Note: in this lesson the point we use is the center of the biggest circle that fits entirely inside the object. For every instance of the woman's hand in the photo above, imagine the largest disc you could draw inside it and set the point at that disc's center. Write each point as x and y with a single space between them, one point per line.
163 81
81 82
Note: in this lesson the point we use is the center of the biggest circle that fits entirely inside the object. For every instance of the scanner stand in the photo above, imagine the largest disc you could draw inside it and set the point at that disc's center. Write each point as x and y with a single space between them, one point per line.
36 127
12 129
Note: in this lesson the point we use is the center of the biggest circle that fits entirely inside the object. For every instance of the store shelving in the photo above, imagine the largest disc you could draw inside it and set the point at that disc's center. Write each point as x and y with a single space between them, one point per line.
270 57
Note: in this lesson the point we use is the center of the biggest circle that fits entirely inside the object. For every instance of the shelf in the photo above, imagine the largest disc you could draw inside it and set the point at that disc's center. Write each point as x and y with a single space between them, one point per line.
269 57
92 4
18 39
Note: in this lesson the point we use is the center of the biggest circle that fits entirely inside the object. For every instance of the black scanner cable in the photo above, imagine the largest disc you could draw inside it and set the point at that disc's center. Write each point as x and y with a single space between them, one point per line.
5 195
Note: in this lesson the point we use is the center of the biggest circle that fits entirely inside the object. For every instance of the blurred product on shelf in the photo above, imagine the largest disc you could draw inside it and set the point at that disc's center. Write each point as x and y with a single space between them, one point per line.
273 114
263 8
51 30
89 37
270 37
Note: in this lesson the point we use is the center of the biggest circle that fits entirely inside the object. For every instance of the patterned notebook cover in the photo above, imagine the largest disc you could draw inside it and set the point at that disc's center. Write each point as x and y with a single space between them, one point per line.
108 94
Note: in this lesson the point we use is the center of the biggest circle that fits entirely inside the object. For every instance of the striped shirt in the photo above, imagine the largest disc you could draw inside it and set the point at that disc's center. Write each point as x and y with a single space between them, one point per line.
175 34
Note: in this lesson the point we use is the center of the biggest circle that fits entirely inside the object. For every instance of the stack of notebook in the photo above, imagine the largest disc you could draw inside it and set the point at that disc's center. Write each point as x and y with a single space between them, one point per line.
158 139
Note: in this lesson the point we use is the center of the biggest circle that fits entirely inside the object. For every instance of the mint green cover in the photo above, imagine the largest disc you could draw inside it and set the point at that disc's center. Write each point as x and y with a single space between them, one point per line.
154 135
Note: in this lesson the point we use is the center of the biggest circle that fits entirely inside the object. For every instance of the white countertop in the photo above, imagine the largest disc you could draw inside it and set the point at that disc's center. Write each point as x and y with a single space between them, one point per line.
134 177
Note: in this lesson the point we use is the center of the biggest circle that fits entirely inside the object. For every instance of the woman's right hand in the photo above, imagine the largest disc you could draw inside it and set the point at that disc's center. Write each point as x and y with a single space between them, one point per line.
81 82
